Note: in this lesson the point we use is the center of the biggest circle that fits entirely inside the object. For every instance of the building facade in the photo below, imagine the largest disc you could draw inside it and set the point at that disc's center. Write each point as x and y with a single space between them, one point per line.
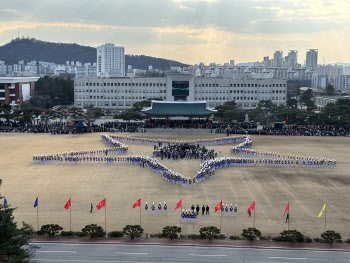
118 94
15 90
311 58
110 60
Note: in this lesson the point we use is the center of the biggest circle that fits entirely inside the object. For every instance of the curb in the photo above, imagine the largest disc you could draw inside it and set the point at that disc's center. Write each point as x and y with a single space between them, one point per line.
195 245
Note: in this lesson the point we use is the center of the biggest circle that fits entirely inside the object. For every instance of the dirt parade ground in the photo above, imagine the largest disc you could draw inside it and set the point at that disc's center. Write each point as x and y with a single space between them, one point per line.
306 189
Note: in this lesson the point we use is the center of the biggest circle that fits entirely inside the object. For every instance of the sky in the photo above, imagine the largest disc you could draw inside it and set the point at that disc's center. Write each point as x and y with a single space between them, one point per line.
190 31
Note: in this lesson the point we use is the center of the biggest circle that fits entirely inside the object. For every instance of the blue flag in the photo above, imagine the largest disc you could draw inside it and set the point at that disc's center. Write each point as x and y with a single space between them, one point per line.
36 202
5 202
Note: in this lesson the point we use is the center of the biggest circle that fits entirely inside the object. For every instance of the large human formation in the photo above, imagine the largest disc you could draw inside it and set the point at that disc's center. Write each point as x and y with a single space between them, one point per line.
207 169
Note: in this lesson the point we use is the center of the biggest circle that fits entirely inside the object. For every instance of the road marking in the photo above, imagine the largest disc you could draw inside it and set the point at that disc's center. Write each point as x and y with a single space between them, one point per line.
126 253
285 258
207 255
56 252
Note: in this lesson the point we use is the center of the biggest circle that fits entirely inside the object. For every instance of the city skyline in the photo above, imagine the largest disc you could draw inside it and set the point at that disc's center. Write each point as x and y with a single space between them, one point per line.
188 31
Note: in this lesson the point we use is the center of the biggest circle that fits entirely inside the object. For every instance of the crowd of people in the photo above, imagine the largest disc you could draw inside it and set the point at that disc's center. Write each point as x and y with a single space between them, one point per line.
185 151
207 167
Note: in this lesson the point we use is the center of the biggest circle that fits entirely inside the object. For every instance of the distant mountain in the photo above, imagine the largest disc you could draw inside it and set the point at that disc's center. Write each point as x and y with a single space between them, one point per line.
29 49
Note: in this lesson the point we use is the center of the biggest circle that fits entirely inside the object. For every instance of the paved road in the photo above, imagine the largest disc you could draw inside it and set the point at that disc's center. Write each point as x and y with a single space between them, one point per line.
85 253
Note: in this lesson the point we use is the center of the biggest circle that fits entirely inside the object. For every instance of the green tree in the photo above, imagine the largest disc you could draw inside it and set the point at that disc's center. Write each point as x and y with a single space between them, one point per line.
92 113
290 236
228 111
251 233
209 232
306 100
93 230
171 231
133 231
129 115
330 90
14 242
292 103
330 236
51 229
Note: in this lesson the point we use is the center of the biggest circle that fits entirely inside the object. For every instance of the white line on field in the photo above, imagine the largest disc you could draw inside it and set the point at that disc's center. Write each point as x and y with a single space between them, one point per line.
127 253
207 255
285 258
56 252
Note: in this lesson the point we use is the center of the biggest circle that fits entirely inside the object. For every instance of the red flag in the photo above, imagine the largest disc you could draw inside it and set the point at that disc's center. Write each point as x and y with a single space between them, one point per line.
219 206
287 209
178 205
101 204
251 207
137 203
67 204
287 118
297 117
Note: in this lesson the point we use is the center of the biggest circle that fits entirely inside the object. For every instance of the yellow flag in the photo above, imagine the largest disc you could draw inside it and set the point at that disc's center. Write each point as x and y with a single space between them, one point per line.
323 208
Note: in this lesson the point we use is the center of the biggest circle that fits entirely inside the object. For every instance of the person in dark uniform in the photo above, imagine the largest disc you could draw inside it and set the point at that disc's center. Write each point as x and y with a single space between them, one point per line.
235 210
165 208
146 208
231 209
192 208
203 210
159 207
91 208
287 217
153 207
197 209
207 210
183 215
222 210
226 210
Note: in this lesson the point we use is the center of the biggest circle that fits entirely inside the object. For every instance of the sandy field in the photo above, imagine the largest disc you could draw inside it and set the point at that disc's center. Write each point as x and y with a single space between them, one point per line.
307 189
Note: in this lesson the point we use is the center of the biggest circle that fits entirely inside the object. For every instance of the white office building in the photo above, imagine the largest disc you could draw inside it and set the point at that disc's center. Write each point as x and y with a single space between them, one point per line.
118 94
110 61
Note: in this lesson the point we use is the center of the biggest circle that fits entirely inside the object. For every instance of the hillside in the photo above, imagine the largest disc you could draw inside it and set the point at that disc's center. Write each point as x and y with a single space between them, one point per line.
29 49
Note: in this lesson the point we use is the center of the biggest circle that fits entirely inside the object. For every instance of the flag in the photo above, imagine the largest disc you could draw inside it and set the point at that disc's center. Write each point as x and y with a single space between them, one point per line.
339 117
287 118
178 205
43 113
67 113
101 204
36 203
329 116
21 113
275 117
32 113
67 204
322 210
219 206
297 117
251 207
11 112
286 210
137 203
5 202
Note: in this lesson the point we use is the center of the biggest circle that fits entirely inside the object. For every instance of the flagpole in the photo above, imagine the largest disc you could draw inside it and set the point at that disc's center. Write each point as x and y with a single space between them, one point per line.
37 212
70 215
221 215
180 215
140 211
254 214
325 218
289 214
106 215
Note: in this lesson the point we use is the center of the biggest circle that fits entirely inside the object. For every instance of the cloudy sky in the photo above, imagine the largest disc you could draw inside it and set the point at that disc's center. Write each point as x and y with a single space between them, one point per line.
190 31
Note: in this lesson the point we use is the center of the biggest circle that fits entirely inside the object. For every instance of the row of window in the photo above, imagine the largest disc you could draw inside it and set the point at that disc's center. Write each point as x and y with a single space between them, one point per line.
119 91
240 98
241 85
115 98
108 84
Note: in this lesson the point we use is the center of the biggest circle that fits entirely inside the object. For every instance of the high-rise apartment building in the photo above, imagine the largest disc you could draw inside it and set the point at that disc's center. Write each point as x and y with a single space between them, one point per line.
292 59
311 58
278 58
110 60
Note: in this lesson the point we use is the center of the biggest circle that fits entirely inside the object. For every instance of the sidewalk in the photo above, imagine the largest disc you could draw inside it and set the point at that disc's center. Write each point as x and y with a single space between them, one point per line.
214 243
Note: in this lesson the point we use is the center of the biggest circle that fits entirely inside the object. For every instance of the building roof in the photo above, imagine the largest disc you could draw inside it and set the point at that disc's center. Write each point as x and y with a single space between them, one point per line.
176 108
17 79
